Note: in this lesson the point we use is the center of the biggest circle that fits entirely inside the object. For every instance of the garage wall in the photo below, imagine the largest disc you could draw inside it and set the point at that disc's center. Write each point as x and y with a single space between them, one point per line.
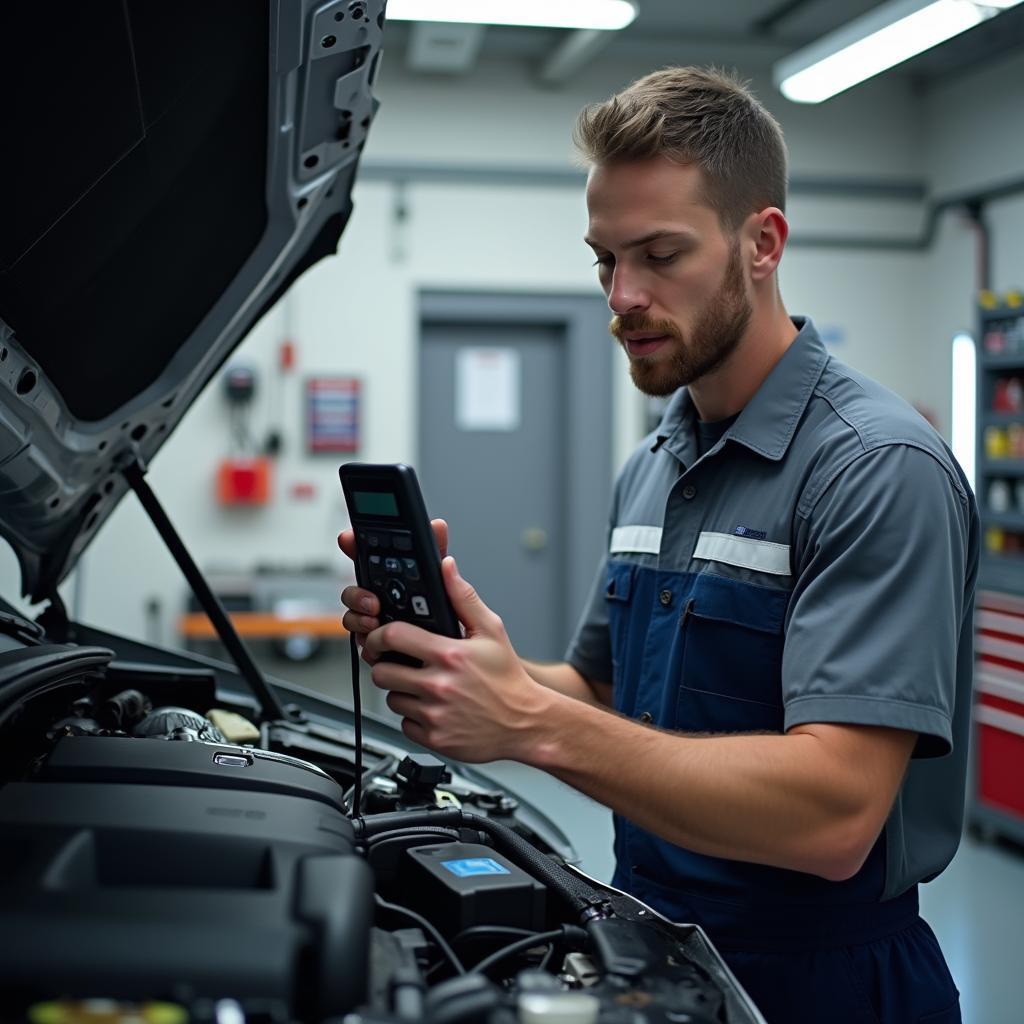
356 312
972 142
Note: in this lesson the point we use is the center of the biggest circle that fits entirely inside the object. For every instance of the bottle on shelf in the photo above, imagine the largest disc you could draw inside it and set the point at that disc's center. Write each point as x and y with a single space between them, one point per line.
997 443
999 497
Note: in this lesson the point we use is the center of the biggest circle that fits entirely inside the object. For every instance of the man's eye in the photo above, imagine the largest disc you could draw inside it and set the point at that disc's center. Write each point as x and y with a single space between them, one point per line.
603 261
662 259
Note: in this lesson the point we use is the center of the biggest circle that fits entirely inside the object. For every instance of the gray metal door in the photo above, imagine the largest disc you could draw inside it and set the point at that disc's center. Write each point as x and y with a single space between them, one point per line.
493 464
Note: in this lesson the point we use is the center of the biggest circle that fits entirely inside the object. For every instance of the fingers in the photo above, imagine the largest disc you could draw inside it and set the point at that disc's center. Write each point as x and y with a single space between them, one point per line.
360 600
468 605
347 543
363 604
406 705
414 731
347 539
406 638
441 535
360 624
414 726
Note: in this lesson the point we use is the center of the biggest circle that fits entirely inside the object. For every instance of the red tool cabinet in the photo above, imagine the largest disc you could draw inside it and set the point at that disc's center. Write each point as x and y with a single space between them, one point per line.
996 790
998 799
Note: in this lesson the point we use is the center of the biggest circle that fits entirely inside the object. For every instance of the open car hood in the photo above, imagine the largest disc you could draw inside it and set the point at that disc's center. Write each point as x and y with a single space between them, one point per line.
171 170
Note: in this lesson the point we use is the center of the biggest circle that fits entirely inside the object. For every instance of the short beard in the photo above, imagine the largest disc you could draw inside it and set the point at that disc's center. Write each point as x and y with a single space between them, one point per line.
715 336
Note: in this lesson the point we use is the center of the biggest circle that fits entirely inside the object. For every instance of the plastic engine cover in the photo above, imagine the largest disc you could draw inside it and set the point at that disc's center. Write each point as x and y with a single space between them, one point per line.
179 884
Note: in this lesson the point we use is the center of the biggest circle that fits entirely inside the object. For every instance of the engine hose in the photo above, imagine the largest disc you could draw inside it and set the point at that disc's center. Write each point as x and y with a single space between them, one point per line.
374 824
427 833
585 901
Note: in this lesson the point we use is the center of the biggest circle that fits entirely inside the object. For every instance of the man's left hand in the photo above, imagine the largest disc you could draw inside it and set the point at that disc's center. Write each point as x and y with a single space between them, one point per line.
472 700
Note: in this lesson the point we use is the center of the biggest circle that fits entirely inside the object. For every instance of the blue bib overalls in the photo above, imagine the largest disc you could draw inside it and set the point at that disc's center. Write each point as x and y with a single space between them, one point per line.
697 652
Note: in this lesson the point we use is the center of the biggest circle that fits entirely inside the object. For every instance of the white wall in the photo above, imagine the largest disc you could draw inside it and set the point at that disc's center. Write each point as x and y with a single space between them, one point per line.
356 313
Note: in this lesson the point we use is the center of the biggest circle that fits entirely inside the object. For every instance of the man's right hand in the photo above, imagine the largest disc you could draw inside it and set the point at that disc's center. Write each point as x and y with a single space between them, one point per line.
363 605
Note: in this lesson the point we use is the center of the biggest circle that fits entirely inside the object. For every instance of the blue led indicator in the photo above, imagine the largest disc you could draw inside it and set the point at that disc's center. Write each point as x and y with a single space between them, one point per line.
474 866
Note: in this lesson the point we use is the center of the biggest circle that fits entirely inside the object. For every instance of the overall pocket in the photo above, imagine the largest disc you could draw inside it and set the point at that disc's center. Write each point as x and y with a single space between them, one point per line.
732 657
618 594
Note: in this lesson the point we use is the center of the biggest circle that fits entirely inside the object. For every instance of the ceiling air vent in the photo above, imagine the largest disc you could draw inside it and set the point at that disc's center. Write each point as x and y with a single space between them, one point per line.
444 48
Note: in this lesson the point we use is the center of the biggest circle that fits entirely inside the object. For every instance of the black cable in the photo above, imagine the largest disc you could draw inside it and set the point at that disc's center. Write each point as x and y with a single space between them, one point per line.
427 834
543 965
483 930
427 927
430 971
357 709
516 947
385 764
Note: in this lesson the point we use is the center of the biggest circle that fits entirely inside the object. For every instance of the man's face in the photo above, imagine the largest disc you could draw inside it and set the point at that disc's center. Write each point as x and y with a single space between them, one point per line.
674 279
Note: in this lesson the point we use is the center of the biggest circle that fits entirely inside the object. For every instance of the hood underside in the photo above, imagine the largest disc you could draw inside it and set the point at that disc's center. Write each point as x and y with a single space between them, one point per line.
171 170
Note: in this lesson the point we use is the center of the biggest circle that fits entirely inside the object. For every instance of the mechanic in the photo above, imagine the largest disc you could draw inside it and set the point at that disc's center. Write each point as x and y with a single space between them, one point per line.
783 621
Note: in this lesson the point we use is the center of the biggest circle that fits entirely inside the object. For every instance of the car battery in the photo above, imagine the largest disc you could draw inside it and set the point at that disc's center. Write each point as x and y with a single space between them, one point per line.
459 885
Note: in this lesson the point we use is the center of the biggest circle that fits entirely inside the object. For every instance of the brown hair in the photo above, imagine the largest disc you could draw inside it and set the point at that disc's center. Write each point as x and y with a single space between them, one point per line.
703 116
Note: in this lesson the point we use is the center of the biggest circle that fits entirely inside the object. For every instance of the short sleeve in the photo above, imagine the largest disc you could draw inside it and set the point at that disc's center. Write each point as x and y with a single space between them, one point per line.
590 651
876 614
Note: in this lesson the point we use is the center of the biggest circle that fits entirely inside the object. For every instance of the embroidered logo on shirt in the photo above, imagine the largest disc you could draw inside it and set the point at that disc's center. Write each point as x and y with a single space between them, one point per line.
746 531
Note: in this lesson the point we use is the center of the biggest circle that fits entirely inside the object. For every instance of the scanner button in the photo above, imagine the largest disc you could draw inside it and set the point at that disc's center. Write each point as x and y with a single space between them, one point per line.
396 593
420 606
402 542
393 566
377 540
412 570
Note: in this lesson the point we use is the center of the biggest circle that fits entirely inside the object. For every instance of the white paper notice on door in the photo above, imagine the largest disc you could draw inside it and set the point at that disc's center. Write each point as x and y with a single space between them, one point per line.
487 389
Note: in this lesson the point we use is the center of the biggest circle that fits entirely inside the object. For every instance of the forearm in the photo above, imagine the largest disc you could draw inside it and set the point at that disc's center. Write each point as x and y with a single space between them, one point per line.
768 799
563 678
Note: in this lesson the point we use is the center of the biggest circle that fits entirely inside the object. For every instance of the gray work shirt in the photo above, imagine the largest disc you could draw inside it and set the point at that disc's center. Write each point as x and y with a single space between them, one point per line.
832 513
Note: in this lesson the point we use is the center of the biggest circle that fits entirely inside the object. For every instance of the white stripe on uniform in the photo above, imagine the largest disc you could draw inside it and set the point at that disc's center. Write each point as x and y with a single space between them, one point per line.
644 540
760 555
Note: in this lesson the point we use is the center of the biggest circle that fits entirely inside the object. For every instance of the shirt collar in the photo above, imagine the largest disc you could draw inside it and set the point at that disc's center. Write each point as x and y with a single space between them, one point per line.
767 423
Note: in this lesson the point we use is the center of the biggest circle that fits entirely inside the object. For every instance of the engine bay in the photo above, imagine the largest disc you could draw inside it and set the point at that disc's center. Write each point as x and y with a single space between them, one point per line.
155 868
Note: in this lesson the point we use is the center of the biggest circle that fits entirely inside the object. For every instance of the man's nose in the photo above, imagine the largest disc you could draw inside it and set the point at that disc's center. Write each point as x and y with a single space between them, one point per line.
625 294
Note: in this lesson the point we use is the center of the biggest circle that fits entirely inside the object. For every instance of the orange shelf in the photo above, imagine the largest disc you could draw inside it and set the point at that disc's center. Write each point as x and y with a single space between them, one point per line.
263 626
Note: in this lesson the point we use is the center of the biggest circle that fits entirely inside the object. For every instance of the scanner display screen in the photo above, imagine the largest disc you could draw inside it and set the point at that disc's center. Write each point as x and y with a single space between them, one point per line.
376 503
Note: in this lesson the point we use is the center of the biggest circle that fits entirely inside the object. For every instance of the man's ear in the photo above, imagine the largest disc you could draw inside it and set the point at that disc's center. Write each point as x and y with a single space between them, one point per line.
768 229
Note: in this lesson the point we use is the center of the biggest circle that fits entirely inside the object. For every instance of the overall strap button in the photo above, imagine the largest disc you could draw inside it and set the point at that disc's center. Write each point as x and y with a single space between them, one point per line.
665 597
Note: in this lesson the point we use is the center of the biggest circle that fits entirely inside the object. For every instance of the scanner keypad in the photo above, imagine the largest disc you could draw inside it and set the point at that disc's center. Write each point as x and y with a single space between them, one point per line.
395 577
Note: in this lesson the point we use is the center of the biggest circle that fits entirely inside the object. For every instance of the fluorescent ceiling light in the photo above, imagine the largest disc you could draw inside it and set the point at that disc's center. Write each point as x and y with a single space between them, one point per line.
593 14
965 398
881 39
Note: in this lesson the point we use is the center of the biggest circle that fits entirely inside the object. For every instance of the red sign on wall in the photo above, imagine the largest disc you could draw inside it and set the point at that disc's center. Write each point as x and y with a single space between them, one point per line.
332 414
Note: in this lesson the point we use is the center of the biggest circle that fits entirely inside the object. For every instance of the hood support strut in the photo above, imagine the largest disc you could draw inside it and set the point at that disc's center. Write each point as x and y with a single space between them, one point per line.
270 707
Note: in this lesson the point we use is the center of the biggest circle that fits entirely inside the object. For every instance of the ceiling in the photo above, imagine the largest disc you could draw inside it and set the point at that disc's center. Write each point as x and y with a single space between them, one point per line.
748 34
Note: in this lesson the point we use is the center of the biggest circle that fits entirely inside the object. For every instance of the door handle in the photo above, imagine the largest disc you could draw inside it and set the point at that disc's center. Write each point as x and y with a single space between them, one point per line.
534 538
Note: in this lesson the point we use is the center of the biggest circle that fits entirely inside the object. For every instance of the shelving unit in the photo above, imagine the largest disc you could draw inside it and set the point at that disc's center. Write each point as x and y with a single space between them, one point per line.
996 799
1002 467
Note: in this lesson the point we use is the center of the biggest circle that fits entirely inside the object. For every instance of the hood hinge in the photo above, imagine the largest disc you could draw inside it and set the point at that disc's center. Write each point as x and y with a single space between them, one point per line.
54 620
